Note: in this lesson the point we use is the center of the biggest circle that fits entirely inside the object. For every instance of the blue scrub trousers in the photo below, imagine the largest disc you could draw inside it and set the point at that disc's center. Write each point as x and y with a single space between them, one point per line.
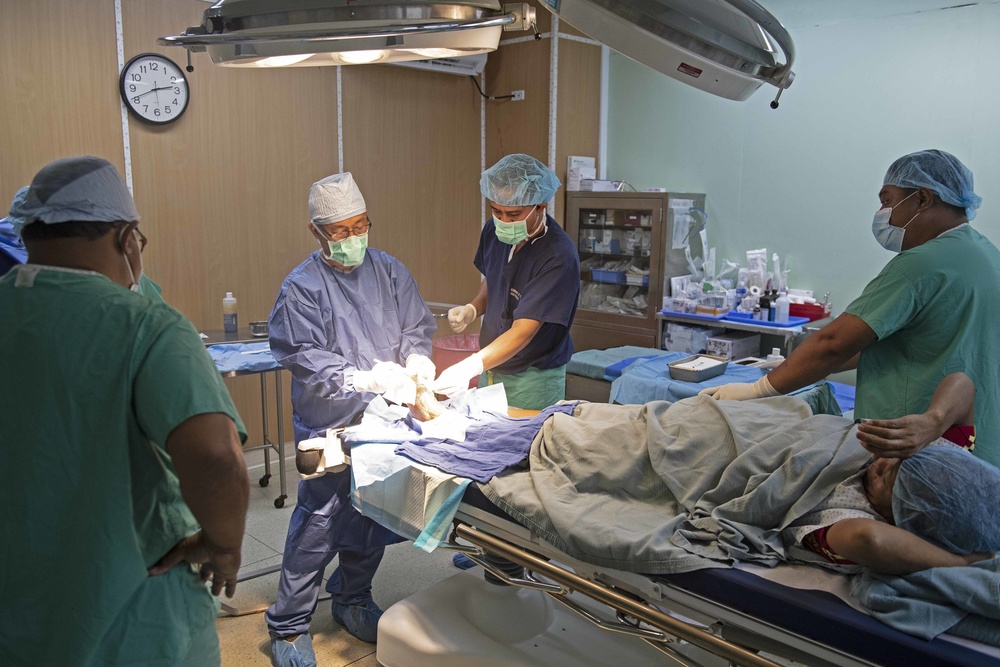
324 524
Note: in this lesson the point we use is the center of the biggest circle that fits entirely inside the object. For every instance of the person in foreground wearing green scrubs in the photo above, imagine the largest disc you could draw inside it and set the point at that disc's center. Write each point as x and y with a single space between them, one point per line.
121 444
930 312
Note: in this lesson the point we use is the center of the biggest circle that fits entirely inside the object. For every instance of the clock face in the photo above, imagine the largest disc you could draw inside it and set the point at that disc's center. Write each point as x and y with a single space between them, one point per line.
154 88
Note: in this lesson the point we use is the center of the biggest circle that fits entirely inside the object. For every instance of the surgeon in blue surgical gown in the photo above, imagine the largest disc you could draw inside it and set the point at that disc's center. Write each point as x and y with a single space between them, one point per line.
345 322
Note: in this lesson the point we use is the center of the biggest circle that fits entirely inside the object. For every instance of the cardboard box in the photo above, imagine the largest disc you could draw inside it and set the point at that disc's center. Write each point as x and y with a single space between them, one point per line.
689 338
734 345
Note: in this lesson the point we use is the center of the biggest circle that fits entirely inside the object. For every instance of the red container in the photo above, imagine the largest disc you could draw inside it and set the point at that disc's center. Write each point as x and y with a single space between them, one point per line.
814 311
449 350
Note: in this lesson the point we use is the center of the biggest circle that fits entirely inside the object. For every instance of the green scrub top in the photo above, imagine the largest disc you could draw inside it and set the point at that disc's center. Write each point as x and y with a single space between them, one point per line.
934 309
95 379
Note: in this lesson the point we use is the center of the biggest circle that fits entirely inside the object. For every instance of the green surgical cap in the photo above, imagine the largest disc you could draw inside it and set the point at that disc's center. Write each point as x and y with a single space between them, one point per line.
940 172
949 497
519 180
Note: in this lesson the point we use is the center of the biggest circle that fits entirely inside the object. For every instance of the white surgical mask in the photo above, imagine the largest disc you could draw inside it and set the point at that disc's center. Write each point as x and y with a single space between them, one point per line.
131 275
888 235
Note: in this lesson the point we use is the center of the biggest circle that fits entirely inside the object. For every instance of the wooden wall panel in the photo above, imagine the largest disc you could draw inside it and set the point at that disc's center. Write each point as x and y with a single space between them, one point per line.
411 139
578 111
59 77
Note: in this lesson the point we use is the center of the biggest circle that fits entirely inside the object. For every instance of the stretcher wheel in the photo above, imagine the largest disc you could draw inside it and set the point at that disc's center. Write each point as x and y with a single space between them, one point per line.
279 502
265 480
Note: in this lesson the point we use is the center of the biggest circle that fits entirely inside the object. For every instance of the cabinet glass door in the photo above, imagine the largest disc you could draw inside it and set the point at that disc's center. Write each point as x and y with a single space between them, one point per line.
615 246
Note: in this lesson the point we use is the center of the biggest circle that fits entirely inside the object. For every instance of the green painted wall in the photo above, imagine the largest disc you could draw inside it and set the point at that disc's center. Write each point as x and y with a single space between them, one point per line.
803 180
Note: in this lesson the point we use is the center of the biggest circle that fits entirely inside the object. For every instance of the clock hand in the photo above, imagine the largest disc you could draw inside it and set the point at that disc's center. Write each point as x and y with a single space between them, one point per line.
153 90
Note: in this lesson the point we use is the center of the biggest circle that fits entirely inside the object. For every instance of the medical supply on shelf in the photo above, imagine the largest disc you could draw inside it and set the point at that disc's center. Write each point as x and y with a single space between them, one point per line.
734 345
230 322
689 338
697 368
775 355
782 309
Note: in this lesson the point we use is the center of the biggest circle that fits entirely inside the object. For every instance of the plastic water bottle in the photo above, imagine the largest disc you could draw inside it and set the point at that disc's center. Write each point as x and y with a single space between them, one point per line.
781 308
230 323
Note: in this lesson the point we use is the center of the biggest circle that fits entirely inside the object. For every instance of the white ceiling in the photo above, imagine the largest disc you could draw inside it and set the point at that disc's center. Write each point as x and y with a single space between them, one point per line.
800 13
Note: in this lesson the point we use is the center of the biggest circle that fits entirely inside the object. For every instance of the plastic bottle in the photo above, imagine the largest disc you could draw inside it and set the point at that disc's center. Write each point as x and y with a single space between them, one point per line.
229 317
775 355
765 308
781 309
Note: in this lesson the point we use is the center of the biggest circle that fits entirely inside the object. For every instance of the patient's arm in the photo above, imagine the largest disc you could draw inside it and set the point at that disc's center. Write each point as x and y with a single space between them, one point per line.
951 404
886 549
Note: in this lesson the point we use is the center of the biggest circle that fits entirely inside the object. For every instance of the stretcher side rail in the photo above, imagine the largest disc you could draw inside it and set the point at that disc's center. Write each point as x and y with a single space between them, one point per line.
606 595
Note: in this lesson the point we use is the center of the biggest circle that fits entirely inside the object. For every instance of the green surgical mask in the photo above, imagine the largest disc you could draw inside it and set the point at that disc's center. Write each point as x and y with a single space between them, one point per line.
513 233
350 251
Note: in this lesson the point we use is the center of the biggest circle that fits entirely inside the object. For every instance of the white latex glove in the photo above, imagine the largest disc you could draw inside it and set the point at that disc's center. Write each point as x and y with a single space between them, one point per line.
382 375
455 379
422 367
741 391
460 317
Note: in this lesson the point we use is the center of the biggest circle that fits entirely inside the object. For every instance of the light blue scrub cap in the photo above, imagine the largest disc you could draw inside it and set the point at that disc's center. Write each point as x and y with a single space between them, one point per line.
75 189
949 497
519 180
938 171
16 221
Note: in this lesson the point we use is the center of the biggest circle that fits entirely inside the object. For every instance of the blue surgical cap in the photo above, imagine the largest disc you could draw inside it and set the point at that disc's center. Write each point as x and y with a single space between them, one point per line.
16 221
519 180
76 189
949 497
940 172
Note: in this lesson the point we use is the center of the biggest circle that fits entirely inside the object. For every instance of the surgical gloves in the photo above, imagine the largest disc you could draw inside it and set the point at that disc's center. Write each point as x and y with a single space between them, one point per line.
455 379
422 367
387 378
460 317
741 391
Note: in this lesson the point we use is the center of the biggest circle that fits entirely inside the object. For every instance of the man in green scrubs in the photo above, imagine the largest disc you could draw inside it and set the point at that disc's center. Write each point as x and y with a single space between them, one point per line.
120 443
932 311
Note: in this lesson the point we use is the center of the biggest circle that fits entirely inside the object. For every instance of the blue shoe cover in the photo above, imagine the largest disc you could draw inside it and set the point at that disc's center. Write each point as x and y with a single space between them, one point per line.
298 653
462 562
361 620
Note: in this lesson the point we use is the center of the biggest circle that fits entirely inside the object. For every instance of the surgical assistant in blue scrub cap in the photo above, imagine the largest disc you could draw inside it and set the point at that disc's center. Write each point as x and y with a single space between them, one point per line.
344 323
115 409
12 250
929 313
529 295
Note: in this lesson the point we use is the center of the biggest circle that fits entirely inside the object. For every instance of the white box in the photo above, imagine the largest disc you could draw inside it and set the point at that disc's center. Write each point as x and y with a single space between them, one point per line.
575 175
689 338
734 345
594 185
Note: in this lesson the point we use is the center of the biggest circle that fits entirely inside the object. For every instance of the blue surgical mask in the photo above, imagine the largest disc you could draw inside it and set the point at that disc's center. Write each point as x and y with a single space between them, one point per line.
350 251
514 232
888 235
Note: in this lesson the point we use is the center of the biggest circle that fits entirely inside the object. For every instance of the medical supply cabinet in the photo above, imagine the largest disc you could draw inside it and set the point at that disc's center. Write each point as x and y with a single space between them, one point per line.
630 244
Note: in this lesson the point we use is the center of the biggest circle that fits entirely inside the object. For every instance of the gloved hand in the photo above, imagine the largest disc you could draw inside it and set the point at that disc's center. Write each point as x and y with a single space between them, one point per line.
383 375
741 391
455 379
460 317
422 367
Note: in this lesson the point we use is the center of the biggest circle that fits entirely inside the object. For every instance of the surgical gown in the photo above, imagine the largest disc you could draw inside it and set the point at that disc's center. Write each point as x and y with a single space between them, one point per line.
96 377
325 325
934 309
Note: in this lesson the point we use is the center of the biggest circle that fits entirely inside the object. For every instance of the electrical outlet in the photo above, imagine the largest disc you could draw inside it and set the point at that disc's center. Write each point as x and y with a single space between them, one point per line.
518 96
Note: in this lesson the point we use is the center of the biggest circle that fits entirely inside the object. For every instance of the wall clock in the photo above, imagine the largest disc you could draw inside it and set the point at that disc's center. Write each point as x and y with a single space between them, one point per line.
154 88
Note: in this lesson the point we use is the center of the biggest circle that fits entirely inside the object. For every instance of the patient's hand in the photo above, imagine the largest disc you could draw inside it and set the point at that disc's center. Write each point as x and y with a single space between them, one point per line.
426 407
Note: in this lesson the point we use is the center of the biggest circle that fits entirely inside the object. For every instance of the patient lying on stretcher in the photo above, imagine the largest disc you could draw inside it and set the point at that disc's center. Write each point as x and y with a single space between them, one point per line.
875 515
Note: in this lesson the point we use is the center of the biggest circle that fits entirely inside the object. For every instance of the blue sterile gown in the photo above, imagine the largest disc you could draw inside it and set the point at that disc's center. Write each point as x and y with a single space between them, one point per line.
325 325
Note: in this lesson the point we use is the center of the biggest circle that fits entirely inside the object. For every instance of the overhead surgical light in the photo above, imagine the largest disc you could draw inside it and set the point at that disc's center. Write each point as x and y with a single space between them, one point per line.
304 33
725 47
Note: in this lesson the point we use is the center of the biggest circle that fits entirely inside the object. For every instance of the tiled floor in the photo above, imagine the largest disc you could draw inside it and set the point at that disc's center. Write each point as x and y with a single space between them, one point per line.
244 639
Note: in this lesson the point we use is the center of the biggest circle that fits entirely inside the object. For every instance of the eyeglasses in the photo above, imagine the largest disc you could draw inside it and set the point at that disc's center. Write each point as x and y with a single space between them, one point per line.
341 233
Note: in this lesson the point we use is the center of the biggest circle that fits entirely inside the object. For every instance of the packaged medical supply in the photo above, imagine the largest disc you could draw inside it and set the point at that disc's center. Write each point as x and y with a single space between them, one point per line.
782 309
689 338
775 355
734 345
229 318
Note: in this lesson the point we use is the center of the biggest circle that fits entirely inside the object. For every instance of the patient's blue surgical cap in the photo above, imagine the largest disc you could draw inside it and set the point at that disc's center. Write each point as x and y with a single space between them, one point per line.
519 180
75 189
15 220
949 497
938 171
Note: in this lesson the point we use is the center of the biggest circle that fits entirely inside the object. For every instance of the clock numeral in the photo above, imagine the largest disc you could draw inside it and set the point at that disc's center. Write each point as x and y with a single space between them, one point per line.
142 68
131 87
175 102
177 90
156 112
135 100
136 77
154 66
167 109
145 108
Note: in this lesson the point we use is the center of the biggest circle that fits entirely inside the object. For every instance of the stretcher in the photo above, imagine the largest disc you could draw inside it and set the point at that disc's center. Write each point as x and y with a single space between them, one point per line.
707 617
